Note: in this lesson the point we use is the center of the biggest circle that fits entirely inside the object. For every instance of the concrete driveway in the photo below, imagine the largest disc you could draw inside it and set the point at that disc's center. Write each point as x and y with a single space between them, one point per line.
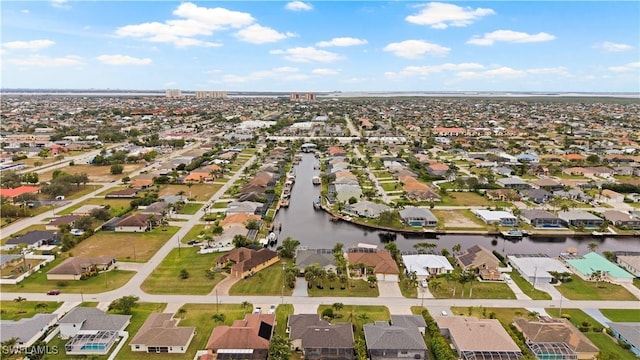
389 289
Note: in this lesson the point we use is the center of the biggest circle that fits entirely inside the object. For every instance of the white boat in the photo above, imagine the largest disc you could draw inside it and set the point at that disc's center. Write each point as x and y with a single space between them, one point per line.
316 180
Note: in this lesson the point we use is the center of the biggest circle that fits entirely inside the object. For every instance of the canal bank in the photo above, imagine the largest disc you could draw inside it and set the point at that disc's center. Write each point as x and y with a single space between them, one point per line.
315 229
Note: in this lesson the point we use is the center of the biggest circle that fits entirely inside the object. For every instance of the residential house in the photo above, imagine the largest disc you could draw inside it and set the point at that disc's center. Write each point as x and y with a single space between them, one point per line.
128 193
417 190
247 262
92 332
384 267
437 169
26 330
34 239
137 223
536 268
481 260
410 321
321 257
503 218
502 195
344 192
541 218
621 219
161 334
386 341
627 332
611 197
557 336
11 194
547 184
415 216
318 339
629 262
142 183
537 196
427 265
577 218
157 208
249 207
366 209
513 182
572 194
475 338
594 267
336 151
246 339
54 224
76 268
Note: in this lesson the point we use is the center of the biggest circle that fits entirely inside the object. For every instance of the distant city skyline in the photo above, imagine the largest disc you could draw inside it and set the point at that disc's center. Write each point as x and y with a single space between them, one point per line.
322 46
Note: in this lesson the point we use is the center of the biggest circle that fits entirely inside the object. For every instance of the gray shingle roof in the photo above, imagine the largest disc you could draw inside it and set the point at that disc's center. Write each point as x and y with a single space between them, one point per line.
94 319
24 329
381 336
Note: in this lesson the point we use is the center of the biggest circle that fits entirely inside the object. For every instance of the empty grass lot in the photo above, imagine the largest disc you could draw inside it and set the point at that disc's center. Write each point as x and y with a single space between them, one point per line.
359 315
96 173
165 279
12 310
452 219
116 206
464 199
190 208
604 342
283 311
504 315
125 246
200 192
266 282
357 288
443 288
622 315
578 289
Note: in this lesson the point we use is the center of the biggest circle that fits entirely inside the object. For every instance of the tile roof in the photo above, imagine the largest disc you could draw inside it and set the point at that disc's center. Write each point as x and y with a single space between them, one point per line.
382 261
556 330
243 334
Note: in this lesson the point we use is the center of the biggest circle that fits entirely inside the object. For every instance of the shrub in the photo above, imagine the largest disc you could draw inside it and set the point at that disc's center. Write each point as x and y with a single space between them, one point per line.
62 283
327 313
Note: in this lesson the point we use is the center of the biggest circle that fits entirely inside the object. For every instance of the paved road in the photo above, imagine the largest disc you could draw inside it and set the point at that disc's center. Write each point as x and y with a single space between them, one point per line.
372 177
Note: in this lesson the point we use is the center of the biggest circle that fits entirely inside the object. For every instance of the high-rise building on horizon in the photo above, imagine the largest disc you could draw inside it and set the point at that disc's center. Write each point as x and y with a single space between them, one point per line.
211 94
302 97
173 93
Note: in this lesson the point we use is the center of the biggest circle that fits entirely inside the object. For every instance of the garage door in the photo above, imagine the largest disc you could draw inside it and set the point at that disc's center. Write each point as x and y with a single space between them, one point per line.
387 277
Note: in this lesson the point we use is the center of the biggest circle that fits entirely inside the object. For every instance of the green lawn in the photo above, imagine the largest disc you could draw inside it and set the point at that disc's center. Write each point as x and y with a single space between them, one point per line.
636 282
220 204
527 288
200 192
38 283
578 289
116 206
84 190
603 341
165 279
12 310
359 315
408 288
444 288
391 186
464 199
504 315
357 288
622 315
266 282
190 208
283 311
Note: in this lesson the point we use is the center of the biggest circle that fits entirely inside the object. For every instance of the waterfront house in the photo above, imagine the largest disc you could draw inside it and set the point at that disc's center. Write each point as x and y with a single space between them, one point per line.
541 218
427 265
481 260
580 217
621 219
247 262
384 267
589 265
366 209
323 258
503 218
415 216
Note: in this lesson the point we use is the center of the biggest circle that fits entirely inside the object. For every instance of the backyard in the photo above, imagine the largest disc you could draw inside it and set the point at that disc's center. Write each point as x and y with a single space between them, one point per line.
166 278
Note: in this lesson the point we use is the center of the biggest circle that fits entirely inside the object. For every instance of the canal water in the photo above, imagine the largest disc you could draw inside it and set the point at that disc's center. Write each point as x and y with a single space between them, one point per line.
314 229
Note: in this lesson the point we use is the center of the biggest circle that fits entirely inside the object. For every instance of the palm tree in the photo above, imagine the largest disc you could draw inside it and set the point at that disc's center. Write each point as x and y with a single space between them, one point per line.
20 300
337 306
363 317
456 248
372 280
41 306
245 304
593 246
218 317
181 312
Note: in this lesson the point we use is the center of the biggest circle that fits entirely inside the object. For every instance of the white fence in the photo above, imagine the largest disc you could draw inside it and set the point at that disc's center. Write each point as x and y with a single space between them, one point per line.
46 259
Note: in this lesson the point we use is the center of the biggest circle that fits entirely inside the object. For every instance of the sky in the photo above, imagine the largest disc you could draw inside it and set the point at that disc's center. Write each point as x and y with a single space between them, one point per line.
572 46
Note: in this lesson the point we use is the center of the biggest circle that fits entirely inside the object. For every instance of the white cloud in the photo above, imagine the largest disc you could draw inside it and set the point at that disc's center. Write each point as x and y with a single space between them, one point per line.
307 54
45 61
325 71
194 21
559 71
24 11
298 6
28 45
442 15
284 73
258 34
414 49
430 69
633 66
342 41
60 4
608 46
509 36
123 60
507 72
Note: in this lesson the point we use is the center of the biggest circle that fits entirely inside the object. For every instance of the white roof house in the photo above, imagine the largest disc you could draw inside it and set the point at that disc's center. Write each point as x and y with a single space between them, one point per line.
536 269
501 217
427 264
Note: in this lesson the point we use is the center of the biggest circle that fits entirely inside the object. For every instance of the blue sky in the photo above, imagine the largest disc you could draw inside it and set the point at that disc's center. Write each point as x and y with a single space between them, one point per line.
587 46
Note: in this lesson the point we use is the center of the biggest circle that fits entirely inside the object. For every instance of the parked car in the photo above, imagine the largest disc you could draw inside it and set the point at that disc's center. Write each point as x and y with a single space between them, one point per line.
76 232
53 292
424 283
272 309
257 310
444 313
193 242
